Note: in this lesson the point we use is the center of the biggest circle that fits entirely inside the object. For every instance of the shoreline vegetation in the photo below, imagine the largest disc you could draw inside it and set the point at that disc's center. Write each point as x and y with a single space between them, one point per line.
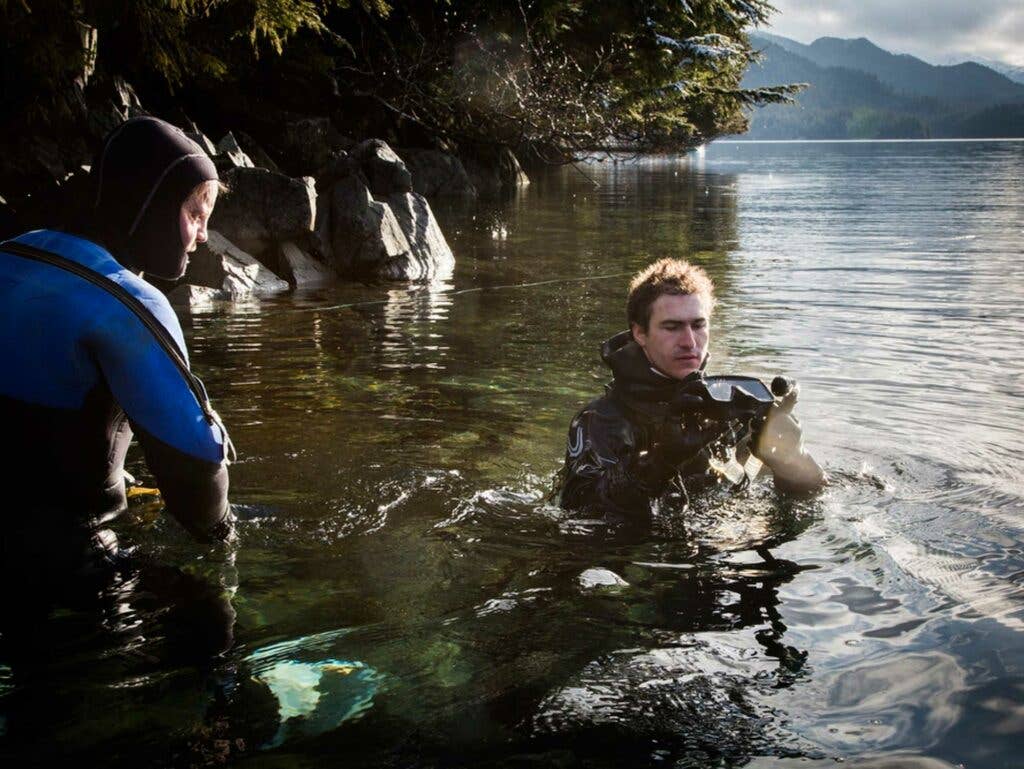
334 123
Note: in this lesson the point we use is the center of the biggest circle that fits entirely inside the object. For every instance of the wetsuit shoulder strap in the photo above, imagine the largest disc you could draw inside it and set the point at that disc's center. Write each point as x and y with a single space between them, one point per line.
160 333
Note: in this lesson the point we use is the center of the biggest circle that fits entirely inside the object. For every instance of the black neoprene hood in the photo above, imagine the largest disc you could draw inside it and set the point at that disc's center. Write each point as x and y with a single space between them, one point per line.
145 171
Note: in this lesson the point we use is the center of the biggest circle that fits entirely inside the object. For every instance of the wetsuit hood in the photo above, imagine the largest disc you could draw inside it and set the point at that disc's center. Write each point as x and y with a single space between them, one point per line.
637 383
145 171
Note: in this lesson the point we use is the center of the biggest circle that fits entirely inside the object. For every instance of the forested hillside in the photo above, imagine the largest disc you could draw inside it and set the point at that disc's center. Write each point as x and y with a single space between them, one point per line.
859 91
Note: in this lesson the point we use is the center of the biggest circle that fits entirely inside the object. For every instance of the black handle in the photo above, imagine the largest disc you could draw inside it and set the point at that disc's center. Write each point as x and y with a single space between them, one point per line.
782 386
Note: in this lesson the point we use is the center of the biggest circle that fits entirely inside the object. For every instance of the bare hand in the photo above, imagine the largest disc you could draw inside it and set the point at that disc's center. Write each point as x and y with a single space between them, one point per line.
779 444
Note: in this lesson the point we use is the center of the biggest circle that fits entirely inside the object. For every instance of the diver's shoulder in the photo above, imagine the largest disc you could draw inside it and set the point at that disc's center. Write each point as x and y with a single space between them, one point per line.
601 408
155 302
152 298
96 258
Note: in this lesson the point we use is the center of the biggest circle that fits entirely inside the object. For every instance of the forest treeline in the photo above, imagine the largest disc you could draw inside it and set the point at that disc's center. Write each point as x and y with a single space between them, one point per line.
548 78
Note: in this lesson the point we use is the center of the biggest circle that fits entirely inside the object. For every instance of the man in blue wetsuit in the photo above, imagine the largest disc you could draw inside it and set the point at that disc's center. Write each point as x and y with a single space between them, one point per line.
92 353
649 435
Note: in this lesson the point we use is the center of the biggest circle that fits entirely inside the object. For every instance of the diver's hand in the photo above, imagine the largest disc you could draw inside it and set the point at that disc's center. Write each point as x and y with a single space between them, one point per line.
779 443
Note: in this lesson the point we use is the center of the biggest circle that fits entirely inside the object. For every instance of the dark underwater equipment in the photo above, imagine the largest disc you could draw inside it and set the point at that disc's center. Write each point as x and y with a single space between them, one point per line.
742 403
738 398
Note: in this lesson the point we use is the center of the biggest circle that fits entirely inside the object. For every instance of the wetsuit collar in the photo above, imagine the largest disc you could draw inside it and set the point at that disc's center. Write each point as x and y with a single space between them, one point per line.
637 383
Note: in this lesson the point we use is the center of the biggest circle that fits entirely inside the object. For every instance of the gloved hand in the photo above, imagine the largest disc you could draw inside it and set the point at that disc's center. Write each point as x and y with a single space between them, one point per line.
779 444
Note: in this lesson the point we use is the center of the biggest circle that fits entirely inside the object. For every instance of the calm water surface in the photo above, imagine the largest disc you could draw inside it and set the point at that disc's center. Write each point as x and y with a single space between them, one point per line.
406 596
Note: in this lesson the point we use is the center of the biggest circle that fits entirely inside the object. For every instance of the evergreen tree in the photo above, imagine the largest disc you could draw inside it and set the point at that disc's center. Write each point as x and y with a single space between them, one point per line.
559 76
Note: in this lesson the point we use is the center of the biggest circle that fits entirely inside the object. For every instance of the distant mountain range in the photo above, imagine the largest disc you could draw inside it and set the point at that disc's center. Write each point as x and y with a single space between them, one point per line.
857 90
1015 74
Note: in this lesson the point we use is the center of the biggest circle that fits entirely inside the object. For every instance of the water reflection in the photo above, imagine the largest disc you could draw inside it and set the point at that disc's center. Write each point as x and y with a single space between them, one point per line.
888 703
313 696
412 324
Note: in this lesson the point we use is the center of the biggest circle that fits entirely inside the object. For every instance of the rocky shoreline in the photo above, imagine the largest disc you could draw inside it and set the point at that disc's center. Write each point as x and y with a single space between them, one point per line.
363 215
347 210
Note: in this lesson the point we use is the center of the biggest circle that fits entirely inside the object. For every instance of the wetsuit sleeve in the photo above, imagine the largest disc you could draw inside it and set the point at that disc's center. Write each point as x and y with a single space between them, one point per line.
195 491
183 450
605 470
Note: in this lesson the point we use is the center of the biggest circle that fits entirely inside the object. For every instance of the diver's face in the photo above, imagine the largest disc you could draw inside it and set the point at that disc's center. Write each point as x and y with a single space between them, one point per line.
192 221
676 339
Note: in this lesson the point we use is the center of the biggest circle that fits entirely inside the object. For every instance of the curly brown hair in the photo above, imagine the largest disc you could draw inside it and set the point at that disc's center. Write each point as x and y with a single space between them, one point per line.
666 276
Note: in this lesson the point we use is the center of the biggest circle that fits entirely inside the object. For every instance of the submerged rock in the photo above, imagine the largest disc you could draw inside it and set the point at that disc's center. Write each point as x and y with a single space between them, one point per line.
708 695
598 578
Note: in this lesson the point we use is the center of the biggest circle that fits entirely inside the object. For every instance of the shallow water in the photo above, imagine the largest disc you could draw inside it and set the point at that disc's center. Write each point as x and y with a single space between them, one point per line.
406 595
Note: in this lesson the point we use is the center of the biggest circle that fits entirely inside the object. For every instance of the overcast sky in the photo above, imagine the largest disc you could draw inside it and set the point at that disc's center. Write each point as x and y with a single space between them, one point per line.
938 31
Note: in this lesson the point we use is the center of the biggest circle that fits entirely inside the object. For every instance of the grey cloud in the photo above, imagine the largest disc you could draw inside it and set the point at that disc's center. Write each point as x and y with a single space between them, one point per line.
931 29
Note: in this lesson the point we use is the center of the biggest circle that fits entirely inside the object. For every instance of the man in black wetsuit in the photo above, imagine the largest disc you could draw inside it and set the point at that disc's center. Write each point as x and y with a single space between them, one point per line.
649 435
93 353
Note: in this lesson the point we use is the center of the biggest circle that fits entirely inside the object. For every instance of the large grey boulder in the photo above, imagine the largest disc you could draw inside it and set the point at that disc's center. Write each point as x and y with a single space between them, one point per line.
393 239
386 173
300 269
438 174
263 208
429 253
365 237
195 297
221 265
495 172
371 223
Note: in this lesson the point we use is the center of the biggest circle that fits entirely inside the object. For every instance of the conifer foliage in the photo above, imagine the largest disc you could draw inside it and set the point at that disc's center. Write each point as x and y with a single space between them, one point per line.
558 76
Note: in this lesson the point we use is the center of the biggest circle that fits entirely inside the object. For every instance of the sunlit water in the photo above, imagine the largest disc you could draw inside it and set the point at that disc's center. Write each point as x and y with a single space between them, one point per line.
407 597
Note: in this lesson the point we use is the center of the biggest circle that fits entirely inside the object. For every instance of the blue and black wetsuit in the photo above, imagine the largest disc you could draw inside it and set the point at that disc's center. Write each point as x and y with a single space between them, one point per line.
80 373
